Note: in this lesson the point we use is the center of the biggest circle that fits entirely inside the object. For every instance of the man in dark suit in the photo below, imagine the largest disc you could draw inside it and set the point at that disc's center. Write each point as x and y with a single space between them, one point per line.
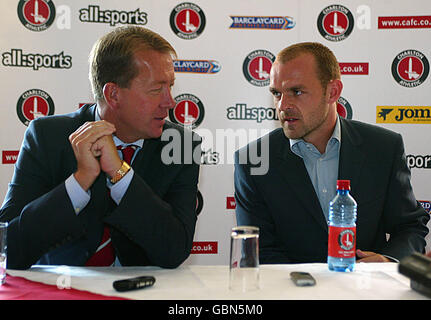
75 199
304 158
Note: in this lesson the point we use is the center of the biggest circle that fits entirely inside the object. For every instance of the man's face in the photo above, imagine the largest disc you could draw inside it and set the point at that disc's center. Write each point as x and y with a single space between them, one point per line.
300 100
145 104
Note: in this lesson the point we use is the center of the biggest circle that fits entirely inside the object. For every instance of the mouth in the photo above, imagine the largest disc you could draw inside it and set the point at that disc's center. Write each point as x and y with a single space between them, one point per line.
288 118
160 120
161 117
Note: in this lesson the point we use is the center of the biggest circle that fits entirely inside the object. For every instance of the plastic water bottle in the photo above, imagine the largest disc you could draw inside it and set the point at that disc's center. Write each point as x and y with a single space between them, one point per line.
342 229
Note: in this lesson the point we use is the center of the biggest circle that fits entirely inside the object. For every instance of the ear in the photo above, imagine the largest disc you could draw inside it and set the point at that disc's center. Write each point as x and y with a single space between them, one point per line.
333 90
111 94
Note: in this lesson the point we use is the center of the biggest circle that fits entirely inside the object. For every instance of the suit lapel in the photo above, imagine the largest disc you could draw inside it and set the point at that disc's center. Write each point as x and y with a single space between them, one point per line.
145 157
292 169
351 157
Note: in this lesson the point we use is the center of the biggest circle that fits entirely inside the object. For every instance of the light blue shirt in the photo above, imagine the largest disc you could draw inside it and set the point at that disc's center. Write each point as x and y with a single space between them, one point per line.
322 168
80 198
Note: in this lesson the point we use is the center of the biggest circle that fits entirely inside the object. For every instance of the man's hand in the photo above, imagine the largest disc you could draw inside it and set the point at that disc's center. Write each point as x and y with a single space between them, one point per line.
89 154
106 150
368 256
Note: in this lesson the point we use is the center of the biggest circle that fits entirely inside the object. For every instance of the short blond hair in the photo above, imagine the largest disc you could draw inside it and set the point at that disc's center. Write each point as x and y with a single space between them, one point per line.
112 56
327 65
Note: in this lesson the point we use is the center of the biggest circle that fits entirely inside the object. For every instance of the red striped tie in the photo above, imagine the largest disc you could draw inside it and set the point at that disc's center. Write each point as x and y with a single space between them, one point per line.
127 152
105 253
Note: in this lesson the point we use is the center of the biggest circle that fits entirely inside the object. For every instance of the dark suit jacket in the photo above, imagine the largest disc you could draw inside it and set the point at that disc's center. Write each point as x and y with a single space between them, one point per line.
153 225
284 205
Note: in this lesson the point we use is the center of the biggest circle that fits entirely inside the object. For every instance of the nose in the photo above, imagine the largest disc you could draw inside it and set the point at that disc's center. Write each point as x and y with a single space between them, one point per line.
168 101
284 103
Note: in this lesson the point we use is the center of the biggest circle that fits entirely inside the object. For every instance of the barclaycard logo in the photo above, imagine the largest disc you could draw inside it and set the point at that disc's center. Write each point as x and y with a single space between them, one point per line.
273 23
403 114
197 66
426 205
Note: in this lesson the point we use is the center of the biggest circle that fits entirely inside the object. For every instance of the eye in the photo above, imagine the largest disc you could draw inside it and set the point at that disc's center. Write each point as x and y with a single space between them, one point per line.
275 94
295 92
156 90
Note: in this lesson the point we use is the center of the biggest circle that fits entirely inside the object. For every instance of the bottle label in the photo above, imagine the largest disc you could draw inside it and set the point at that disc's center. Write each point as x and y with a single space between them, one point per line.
342 242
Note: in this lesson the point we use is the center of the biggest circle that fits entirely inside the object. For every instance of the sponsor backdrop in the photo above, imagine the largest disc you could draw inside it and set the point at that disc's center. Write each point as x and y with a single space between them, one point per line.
225 52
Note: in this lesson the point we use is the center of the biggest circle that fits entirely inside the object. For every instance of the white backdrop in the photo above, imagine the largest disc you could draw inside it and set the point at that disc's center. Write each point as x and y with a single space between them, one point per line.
44 71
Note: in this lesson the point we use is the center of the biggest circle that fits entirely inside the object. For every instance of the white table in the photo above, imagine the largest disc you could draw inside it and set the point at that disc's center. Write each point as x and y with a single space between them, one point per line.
369 282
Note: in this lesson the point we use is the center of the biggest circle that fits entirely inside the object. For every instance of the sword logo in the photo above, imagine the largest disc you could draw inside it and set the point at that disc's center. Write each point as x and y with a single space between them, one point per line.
335 27
189 26
37 17
188 118
36 113
412 74
262 73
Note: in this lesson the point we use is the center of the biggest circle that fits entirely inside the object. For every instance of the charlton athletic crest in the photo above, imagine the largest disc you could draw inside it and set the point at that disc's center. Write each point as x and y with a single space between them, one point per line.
187 20
410 68
344 109
257 66
346 239
33 104
36 15
188 111
335 23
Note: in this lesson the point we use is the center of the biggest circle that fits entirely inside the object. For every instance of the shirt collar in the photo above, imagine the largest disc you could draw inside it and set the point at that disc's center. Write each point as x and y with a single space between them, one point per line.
117 141
336 134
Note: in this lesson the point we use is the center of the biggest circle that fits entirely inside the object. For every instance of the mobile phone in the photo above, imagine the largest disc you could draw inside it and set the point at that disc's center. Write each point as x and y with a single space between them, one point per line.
302 279
134 283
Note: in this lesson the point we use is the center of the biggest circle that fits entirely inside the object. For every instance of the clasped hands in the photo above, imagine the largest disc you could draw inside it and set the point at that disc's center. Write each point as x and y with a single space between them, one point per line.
95 151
